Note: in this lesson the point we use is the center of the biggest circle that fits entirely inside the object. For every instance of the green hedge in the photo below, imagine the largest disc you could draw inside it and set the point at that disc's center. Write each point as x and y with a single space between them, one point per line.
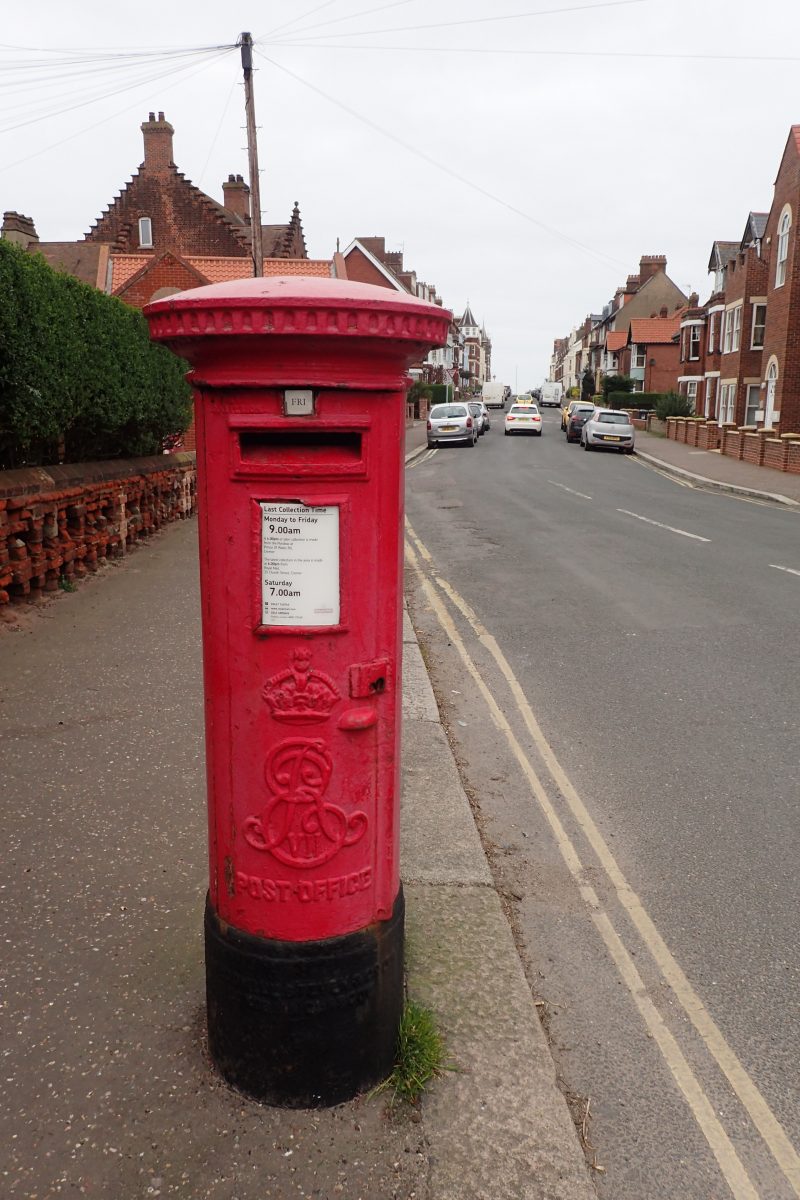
643 400
79 377
441 393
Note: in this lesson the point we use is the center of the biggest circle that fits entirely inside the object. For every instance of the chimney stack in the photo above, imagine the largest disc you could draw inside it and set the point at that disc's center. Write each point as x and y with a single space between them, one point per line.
651 264
157 144
236 197
694 300
19 229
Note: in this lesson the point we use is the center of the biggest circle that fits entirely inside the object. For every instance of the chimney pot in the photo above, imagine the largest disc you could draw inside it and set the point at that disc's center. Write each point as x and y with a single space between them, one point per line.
664 311
152 116
161 116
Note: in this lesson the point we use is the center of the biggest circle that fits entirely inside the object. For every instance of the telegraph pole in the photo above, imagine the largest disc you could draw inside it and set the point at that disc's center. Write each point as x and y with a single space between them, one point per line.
246 43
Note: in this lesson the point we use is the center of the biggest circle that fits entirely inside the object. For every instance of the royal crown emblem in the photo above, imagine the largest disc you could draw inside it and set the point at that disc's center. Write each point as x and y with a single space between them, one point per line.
300 695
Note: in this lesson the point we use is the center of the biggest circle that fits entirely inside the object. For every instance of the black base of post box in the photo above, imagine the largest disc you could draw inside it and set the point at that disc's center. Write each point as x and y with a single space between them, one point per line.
304 1024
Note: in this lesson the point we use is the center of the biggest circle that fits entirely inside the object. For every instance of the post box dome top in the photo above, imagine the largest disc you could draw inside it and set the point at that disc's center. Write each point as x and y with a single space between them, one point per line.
286 304
297 331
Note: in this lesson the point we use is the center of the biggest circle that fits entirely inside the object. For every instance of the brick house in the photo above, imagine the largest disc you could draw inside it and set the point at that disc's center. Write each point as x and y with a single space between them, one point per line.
162 234
367 261
645 294
652 350
780 356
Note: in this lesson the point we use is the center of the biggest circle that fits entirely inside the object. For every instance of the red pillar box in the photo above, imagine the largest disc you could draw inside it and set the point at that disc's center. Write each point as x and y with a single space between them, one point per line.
300 386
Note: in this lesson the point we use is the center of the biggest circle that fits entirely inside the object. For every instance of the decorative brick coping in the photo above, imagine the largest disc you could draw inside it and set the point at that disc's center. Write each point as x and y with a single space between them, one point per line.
57 523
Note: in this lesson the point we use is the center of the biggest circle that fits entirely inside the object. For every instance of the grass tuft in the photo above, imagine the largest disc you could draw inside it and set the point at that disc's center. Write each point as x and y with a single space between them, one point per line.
420 1055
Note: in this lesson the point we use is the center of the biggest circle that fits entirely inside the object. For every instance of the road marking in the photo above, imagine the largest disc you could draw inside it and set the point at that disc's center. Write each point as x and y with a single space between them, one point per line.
750 1097
571 491
788 570
423 458
721 1146
671 528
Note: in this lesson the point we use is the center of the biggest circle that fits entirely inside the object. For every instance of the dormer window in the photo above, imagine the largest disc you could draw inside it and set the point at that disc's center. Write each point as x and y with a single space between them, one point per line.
145 233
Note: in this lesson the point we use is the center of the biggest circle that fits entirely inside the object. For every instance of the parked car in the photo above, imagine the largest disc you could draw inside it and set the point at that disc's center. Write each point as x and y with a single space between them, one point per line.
578 417
451 423
523 418
566 409
610 429
487 424
479 415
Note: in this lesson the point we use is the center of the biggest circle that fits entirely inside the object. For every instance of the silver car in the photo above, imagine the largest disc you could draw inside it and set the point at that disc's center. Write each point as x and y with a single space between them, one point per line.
609 429
452 423
480 414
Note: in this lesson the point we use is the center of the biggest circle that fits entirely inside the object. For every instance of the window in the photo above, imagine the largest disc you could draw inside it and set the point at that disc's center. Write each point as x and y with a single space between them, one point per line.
727 396
783 247
694 342
759 323
712 324
727 330
711 392
145 232
639 356
752 403
691 392
736 331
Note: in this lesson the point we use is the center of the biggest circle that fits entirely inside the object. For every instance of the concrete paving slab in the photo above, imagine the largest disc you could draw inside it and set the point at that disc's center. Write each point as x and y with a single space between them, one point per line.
439 842
499 1126
104 866
419 702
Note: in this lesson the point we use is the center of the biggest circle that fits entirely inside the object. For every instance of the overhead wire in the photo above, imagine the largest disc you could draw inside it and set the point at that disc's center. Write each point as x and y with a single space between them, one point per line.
364 12
201 176
676 55
185 75
139 81
543 12
294 20
440 166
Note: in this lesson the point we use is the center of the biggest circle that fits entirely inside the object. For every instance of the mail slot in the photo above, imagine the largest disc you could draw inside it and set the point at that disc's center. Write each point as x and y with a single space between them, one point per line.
299 394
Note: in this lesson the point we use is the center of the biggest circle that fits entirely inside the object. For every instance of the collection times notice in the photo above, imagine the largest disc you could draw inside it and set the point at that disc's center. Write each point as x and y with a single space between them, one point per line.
299 564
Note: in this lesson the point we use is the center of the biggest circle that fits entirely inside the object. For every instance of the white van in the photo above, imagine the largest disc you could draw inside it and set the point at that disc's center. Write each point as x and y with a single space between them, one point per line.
493 395
551 395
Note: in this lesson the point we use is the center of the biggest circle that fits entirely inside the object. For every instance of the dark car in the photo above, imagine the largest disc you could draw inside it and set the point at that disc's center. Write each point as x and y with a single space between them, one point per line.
578 417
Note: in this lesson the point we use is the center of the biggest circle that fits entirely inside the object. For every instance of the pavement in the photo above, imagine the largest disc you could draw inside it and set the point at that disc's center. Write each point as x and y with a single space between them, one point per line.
109 1087
710 469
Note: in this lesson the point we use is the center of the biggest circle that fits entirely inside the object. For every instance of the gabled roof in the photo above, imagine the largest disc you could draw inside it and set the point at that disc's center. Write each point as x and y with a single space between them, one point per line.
468 318
655 331
389 275
86 261
721 254
754 229
615 340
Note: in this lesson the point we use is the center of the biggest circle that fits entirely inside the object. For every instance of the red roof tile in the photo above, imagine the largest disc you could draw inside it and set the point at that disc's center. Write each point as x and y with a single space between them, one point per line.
615 340
655 331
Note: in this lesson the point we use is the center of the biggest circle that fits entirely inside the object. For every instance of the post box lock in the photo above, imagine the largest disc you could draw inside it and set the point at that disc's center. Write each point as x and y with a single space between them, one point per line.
370 679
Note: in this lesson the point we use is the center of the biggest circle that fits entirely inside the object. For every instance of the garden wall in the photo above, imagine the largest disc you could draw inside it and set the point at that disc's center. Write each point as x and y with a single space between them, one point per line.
57 523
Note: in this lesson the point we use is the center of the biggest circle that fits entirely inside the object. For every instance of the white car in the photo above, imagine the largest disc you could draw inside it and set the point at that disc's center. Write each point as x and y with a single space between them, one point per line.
523 418
609 429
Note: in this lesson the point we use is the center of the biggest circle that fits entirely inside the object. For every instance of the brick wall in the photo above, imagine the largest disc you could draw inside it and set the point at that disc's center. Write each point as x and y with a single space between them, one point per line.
782 335
58 523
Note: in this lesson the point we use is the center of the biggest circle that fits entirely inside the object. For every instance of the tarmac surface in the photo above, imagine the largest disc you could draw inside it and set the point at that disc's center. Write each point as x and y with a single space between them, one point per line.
109 1089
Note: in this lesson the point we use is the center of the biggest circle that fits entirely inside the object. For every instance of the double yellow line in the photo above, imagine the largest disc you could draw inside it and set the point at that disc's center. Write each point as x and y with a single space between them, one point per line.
443 599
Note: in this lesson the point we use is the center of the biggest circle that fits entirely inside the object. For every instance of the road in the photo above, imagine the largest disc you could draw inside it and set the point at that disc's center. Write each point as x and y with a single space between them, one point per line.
615 658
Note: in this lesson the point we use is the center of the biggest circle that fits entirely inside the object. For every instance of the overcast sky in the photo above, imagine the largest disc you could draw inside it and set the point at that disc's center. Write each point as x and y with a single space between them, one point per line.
579 116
